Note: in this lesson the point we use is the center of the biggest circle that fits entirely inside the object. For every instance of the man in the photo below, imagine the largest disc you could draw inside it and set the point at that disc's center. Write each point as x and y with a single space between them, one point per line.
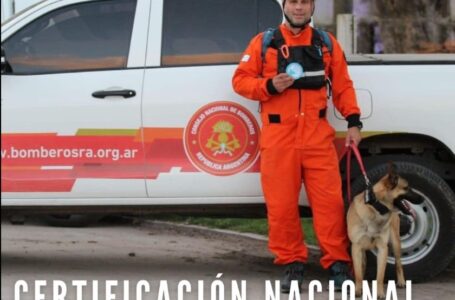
297 141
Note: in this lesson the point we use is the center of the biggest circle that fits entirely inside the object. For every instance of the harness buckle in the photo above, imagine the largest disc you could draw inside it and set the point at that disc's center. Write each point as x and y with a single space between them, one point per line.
328 88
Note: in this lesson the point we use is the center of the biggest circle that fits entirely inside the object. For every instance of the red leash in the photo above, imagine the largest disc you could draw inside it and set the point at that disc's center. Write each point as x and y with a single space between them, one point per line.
353 148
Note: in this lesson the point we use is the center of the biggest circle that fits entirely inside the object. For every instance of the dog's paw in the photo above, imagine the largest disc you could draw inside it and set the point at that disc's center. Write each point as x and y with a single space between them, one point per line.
401 284
381 295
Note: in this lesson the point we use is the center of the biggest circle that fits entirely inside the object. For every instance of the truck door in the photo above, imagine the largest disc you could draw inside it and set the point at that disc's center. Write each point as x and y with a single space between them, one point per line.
71 104
200 137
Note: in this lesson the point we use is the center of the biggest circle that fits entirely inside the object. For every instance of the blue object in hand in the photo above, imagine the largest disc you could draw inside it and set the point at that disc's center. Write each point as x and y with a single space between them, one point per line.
295 70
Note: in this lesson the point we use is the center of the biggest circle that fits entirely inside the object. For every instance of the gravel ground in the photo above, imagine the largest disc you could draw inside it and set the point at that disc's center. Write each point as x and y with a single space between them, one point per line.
124 250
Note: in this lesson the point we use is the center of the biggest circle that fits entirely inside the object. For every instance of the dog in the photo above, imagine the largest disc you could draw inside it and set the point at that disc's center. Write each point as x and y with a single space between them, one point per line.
371 225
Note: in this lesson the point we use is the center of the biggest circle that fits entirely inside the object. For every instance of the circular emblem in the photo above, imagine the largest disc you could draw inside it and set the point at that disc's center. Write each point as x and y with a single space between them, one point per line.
222 138
295 70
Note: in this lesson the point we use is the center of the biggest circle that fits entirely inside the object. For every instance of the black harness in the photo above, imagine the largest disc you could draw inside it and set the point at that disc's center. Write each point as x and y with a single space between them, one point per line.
371 199
309 57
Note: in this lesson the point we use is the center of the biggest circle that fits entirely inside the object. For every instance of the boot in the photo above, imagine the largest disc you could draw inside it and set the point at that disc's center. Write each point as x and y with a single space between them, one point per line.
339 273
294 271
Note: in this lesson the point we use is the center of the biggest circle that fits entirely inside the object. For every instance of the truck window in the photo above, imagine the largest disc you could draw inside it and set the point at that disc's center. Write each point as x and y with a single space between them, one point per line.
87 36
204 32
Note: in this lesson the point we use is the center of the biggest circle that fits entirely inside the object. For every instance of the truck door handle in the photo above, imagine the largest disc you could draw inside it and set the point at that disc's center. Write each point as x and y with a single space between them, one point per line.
123 93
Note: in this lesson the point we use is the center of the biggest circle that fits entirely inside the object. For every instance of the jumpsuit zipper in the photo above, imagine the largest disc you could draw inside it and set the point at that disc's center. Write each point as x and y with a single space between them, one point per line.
300 100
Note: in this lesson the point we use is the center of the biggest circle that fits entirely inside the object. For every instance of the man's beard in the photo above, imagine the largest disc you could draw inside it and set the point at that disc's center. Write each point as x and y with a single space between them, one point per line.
297 25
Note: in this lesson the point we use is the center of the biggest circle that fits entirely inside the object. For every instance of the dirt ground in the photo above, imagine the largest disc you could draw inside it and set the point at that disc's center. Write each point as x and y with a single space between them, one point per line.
158 255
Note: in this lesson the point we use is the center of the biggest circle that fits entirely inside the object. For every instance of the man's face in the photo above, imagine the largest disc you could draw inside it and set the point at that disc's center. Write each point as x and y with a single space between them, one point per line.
299 11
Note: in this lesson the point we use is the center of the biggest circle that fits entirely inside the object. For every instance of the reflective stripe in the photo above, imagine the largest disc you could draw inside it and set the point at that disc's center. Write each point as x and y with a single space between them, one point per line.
314 73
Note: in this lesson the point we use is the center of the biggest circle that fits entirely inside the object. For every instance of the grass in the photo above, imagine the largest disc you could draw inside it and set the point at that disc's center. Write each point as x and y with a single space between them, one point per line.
258 226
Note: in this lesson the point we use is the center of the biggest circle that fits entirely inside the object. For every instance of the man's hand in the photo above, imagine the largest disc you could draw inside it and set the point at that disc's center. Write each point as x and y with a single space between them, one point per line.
353 135
282 81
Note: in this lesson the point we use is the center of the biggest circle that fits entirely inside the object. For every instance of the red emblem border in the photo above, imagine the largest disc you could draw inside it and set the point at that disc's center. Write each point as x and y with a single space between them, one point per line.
222 110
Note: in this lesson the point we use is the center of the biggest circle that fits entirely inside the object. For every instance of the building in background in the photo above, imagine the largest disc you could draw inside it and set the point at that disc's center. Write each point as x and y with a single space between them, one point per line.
325 13
377 26
402 26
394 26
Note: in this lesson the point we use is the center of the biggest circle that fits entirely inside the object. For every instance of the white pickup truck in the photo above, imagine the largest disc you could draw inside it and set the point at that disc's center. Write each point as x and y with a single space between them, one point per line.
127 106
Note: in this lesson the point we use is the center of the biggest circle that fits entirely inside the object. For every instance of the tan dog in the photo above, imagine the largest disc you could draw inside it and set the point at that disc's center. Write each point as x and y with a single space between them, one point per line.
372 225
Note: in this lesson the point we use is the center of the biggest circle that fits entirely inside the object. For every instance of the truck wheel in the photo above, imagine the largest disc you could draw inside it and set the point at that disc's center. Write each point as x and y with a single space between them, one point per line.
72 220
427 244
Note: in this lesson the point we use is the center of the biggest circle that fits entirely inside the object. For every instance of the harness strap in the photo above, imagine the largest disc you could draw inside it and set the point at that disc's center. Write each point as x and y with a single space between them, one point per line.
278 39
370 198
266 40
273 37
324 36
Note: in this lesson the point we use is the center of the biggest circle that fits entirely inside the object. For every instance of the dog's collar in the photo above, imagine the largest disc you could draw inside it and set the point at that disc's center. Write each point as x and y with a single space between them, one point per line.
381 208
370 199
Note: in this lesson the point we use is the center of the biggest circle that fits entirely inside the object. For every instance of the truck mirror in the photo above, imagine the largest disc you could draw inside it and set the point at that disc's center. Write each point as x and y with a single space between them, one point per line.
5 68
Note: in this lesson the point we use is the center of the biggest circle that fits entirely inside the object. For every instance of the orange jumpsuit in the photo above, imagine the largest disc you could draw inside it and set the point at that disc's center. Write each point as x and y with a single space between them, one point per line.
299 147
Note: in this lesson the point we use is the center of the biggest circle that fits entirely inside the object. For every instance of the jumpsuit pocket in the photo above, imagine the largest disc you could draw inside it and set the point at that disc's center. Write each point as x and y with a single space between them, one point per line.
329 131
278 135
318 134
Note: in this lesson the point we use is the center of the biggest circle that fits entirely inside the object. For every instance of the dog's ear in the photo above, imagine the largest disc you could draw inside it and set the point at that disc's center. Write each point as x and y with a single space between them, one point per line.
392 178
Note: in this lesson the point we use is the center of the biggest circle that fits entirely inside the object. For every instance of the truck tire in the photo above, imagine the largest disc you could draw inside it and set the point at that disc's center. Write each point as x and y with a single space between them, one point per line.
428 244
72 220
